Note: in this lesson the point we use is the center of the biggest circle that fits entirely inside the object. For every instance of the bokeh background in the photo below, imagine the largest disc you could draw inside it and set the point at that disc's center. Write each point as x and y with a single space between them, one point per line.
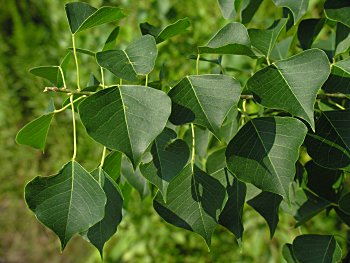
35 32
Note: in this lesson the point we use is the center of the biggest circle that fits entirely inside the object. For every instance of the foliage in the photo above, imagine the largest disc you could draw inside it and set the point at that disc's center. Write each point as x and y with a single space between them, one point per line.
254 128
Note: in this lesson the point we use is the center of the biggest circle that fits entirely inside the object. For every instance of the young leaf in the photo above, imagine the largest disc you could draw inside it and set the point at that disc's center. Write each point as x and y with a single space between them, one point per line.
112 164
137 59
68 203
194 201
317 248
338 11
102 231
297 7
82 16
264 153
330 145
265 39
231 39
204 100
292 84
179 27
308 30
267 204
113 117
169 158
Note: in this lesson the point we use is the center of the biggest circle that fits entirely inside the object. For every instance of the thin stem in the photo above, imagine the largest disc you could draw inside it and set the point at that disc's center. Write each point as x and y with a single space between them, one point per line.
104 152
55 89
146 82
102 78
63 79
193 145
319 96
69 104
197 64
74 129
76 61
120 82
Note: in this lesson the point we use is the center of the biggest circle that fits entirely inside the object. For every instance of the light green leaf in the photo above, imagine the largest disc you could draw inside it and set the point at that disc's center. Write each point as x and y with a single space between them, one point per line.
102 231
227 8
112 164
204 100
330 145
317 248
280 50
267 204
265 39
113 117
137 59
169 158
68 203
194 202
338 11
231 39
292 84
82 16
264 153
177 28
344 203
297 7
308 30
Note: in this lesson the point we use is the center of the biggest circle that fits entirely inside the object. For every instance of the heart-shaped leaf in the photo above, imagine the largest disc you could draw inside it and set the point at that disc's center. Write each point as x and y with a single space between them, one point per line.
292 84
102 231
113 117
68 203
330 145
204 100
82 16
264 153
265 39
169 158
267 204
231 39
297 7
137 59
199 204
338 11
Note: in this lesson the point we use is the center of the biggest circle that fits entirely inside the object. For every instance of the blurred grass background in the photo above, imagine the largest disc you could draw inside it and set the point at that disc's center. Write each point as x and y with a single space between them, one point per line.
36 33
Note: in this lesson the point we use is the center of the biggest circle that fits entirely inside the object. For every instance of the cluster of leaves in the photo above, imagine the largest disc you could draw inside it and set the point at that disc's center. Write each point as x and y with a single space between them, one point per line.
202 144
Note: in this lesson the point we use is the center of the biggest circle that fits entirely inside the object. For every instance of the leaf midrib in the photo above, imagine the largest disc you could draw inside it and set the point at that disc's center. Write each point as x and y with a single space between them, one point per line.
126 123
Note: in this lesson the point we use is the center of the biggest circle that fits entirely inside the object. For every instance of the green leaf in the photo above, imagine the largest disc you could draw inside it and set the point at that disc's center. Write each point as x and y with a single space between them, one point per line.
202 136
308 30
264 153
265 39
339 80
230 126
292 84
34 133
249 9
102 231
344 203
177 28
194 201
137 59
231 39
51 73
204 100
288 253
82 16
227 8
338 11
317 248
231 216
216 161
113 117
330 145
148 29
68 203
267 204
280 50
111 40
342 39
112 164
169 158
297 7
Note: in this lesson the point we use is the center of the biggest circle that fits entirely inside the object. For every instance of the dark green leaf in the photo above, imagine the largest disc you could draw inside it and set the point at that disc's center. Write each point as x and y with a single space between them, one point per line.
230 126
342 40
202 136
112 164
330 145
216 161
148 29
338 11
344 203
169 158
51 73
179 27
101 232
316 248
297 7
113 117
288 253
264 153
68 203
204 100
308 30
292 84
248 11
339 80
199 204
110 42
267 204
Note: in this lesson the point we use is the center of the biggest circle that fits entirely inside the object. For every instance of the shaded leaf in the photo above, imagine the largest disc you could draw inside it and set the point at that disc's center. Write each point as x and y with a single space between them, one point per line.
338 11
111 40
148 29
339 80
280 50
204 100
342 39
51 73
249 9
288 253
264 153
216 161
308 30
344 203
199 204
112 164
267 204
113 116
297 7
68 203
292 84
